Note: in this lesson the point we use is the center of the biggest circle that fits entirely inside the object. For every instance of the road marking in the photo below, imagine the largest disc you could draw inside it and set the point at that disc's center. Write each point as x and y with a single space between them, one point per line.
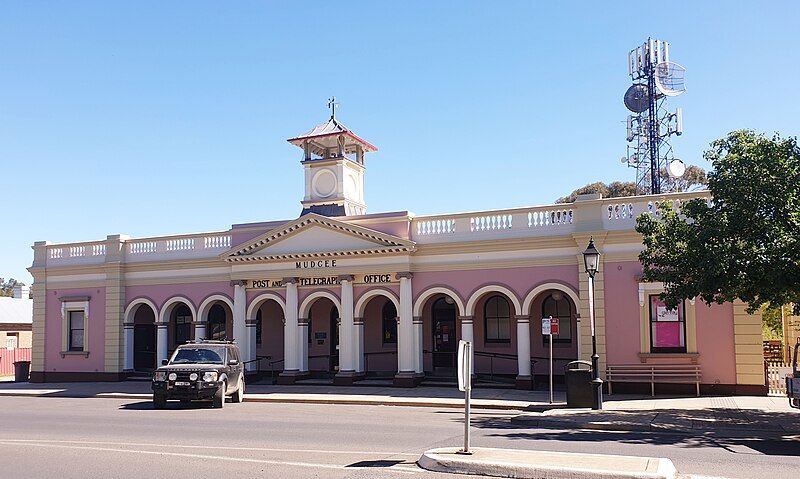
203 456
229 448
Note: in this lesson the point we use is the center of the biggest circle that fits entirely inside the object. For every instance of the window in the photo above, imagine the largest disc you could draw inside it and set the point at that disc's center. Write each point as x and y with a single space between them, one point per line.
497 320
182 318
12 340
389 321
259 327
216 323
558 306
667 327
76 330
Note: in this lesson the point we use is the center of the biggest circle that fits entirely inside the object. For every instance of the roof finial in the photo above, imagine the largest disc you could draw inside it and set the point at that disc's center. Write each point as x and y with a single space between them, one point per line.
332 105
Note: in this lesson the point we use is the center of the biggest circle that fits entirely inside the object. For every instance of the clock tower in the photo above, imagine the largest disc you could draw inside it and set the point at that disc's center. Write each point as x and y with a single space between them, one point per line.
333 160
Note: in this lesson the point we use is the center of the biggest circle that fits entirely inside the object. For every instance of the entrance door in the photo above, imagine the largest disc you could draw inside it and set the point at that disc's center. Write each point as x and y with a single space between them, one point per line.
334 340
144 346
445 339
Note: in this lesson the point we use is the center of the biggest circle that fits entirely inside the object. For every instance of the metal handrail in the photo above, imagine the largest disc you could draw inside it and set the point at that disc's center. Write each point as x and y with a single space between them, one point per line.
491 357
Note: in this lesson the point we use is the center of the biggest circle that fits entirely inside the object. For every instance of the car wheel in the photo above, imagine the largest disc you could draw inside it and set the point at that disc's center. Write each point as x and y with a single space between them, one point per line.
219 396
238 396
159 401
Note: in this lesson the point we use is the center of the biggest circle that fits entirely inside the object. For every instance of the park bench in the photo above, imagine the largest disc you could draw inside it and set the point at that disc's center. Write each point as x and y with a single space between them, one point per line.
653 373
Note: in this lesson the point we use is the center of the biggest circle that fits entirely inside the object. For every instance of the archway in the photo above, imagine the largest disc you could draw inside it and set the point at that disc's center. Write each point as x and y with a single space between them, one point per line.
320 313
495 336
144 338
140 338
554 301
215 317
267 311
379 338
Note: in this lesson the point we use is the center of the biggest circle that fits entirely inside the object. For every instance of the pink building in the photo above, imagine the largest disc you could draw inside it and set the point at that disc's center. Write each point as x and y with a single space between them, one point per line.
343 294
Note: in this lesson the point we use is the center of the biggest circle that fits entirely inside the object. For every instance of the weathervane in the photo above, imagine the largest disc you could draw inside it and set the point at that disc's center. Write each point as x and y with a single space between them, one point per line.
332 105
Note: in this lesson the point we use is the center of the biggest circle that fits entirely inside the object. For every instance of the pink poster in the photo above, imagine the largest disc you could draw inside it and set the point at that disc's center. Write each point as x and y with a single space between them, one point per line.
668 334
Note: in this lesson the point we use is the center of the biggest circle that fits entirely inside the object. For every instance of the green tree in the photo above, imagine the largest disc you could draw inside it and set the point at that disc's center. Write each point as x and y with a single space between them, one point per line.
745 243
694 176
7 287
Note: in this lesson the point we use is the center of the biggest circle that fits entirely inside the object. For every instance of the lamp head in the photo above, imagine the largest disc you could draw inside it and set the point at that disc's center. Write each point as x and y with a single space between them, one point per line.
591 259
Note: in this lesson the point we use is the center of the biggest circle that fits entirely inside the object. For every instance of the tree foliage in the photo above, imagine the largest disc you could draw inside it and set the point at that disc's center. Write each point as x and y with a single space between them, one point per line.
7 287
694 176
745 243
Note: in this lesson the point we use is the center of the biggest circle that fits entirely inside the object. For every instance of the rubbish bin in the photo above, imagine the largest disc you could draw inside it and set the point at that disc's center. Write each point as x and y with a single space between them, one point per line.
579 384
21 371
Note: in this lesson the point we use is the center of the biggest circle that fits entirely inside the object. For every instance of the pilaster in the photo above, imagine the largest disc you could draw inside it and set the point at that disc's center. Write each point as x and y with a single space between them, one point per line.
748 345
585 346
114 354
39 290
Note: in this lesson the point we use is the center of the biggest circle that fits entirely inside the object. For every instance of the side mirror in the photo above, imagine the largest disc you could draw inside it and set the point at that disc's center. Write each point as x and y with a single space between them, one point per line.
164 362
232 362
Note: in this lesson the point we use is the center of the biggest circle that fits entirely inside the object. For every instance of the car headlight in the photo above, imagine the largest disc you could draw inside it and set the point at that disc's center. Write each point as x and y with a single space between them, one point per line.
210 376
173 376
160 376
193 377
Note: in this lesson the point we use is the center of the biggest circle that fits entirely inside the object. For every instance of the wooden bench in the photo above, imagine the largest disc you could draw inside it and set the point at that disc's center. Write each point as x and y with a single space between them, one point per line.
653 373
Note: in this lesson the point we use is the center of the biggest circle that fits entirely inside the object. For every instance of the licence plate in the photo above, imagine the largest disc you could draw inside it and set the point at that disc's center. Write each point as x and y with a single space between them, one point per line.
182 383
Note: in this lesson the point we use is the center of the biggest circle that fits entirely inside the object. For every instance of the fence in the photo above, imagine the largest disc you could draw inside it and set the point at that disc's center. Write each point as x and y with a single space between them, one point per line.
9 356
776 377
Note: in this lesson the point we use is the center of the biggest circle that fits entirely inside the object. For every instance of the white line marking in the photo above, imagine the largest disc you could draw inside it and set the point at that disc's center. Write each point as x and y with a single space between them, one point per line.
201 456
229 448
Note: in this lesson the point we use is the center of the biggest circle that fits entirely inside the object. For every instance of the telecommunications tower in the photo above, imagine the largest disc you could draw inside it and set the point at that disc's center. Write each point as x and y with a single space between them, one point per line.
655 78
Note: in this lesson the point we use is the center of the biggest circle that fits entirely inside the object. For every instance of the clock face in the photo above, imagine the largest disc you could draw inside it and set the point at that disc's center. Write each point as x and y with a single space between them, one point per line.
351 187
324 183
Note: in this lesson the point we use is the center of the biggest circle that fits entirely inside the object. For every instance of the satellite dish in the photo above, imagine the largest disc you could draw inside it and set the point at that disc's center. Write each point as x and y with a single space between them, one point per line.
676 169
636 98
669 78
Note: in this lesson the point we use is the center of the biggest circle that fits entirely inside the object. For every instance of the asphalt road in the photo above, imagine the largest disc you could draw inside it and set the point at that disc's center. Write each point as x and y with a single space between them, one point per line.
110 438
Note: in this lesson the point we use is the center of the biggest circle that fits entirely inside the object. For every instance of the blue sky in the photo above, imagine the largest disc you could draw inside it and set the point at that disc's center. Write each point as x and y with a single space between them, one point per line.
151 118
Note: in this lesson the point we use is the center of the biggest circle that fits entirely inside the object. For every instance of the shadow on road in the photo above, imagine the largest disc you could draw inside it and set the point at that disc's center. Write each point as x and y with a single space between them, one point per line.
173 405
755 440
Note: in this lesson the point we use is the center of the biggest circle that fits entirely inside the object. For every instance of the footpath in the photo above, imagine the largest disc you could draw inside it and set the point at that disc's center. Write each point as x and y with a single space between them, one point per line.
708 418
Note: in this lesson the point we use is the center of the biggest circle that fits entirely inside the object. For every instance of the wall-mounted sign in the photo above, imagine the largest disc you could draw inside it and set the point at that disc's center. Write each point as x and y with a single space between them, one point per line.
317 263
378 278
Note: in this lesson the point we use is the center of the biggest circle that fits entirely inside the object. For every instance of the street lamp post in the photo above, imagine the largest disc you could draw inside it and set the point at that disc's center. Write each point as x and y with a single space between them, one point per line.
591 260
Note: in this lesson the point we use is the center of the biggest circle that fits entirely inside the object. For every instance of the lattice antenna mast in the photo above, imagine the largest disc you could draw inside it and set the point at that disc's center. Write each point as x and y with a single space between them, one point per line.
655 78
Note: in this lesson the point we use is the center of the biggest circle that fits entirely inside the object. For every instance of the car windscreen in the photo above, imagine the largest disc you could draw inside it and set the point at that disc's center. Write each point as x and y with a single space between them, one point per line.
197 355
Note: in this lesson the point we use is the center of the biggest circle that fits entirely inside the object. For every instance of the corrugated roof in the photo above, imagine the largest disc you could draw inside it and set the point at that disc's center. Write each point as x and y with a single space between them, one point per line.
331 128
16 311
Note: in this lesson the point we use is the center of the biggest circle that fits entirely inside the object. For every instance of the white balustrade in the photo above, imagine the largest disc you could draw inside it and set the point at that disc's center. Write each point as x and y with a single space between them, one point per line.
540 218
490 222
621 211
217 242
140 247
56 253
180 244
436 226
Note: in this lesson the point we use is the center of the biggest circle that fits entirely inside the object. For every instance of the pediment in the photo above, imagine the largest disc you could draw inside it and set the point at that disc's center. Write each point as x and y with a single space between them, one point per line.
317 236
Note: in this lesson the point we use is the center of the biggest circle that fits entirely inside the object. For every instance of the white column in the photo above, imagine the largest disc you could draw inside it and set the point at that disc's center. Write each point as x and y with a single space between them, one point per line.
467 334
239 312
347 356
302 344
199 329
161 342
128 338
405 328
291 352
418 342
251 342
358 324
523 347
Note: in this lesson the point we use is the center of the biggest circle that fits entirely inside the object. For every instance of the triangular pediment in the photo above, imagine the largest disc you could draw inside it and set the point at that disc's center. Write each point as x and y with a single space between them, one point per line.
316 236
